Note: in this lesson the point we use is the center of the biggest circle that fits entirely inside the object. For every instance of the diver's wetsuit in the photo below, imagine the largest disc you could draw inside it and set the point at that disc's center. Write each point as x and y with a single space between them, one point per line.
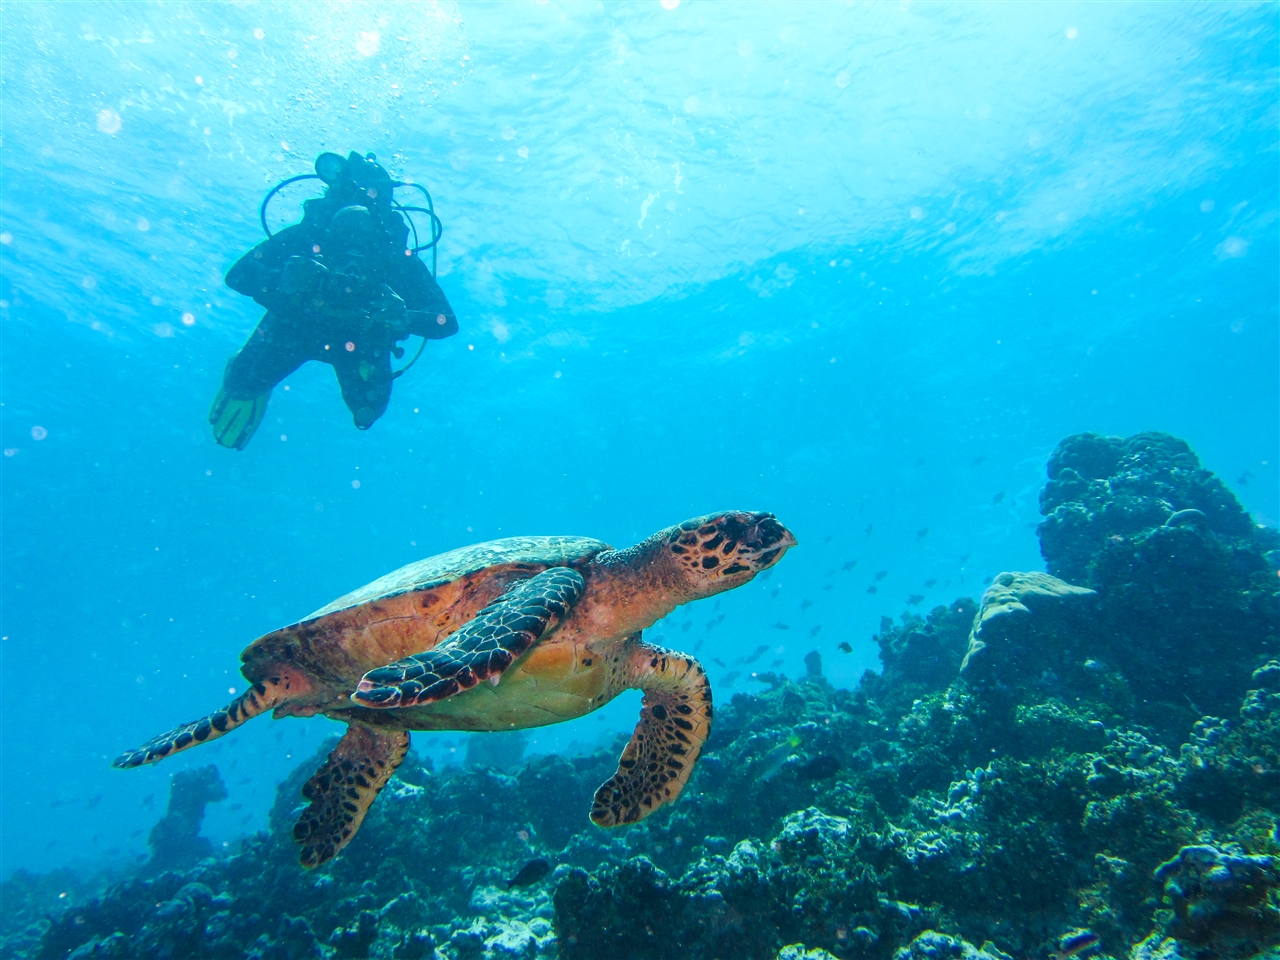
320 324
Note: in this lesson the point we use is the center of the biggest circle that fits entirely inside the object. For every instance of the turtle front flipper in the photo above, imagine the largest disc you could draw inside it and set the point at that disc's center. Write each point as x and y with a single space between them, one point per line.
342 790
675 721
260 697
482 649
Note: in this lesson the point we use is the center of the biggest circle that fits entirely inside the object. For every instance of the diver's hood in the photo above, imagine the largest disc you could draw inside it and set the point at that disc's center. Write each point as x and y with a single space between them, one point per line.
351 228
352 244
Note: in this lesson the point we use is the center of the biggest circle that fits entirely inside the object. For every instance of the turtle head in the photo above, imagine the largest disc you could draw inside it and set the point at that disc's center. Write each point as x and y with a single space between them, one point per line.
725 550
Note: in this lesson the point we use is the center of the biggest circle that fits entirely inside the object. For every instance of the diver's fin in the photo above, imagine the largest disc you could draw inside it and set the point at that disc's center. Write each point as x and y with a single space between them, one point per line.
234 421
675 720
259 698
342 790
482 649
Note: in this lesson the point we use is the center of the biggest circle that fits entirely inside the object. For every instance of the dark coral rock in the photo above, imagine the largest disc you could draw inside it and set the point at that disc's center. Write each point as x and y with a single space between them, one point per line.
1026 624
1190 602
355 940
1224 901
932 945
921 656
1104 487
175 840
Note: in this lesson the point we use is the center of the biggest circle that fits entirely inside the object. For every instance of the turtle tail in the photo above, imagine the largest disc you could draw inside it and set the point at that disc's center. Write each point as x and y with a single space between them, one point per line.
260 697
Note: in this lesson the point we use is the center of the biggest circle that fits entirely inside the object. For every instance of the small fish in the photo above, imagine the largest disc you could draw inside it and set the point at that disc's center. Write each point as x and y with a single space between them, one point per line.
873 589
928 584
710 625
136 833
1074 944
828 586
920 462
828 538
998 497
881 574
530 873
93 801
776 758
756 654
766 575
1244 478
774 594
51 844
777 663
869 529
686 626
819 768
815 630
914 599
720 618
849 565
731 676
718 662
243 780
830 573
843 647
779 625
922 533
57 803
235 806
716 606
698 646
979 461
805 604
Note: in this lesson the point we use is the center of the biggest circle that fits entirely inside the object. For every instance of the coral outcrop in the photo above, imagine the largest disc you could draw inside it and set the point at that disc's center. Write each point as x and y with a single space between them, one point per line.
175 840
1084 760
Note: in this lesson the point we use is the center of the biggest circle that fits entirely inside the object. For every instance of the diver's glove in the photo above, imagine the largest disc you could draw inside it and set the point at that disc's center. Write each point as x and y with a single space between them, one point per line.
234 421
301 277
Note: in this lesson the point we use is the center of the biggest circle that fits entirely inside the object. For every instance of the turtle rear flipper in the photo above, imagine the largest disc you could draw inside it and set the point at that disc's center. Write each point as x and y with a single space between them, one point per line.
675 721
260 697
342 790
482 649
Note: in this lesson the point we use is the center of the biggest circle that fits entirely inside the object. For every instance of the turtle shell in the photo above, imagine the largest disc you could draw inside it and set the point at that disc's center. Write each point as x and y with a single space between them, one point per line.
409 610
454 564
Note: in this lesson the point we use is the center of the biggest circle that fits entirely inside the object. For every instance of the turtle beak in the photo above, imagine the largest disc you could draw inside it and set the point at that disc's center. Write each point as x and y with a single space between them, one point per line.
765 540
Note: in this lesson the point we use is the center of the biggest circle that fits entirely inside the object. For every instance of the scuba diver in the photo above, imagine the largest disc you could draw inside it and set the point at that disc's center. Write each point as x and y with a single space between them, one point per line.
343 286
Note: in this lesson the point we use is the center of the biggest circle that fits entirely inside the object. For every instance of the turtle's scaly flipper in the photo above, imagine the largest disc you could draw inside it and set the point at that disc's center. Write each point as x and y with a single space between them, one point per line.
258 698
482 649
343 789
675 720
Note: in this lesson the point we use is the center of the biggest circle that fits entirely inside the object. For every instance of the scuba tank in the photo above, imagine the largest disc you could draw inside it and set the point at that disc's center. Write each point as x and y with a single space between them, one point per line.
362 181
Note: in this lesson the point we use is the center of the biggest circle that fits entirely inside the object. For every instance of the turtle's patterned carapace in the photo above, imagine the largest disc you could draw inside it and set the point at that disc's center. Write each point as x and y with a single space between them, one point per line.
553 624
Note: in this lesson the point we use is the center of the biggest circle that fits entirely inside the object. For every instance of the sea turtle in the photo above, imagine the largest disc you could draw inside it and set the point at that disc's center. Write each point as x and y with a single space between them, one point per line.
553 624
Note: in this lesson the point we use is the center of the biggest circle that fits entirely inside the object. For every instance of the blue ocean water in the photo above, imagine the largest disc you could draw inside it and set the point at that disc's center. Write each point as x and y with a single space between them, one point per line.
862 266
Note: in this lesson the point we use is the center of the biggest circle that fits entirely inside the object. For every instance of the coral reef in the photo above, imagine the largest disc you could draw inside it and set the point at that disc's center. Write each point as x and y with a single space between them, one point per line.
1085 760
